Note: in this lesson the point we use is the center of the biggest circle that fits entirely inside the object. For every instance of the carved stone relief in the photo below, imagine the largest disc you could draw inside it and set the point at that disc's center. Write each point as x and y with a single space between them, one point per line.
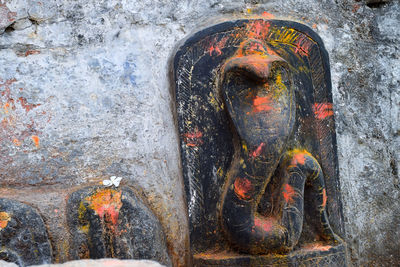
113 223
103 222
23 235
258 145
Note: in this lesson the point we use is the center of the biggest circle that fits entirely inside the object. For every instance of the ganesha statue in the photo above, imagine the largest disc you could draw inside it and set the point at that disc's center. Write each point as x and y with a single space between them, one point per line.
258 146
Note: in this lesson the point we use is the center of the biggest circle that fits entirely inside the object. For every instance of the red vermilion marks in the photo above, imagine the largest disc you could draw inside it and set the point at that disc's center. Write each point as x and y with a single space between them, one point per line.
193 138
298 158
26 105
322 110
6 16
267 15
317 247
106 203
303 46
6 107
6 96
257 151
262 103
265 224
31 52
255 48
9 98
196 134
35 140
11 16
16 142
16 126
288 193
324 198
243 188
258 65
4 219
215 47
7 92
258 29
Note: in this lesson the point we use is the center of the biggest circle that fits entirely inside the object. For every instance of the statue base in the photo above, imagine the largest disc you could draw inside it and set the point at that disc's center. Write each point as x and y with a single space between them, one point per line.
311 255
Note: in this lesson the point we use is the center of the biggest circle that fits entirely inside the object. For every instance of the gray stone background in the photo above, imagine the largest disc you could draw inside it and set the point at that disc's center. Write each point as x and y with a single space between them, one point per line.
85 95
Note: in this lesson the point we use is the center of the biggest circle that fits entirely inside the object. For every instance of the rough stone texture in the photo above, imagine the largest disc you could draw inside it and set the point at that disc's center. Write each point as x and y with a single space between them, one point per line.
23 235
113 223
7 264
84 95
6 17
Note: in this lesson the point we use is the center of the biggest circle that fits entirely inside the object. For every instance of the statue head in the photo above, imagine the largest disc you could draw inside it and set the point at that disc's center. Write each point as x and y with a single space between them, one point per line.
258 92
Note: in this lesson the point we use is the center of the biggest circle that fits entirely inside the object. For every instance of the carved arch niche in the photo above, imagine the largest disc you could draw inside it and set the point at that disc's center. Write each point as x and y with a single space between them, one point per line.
258 145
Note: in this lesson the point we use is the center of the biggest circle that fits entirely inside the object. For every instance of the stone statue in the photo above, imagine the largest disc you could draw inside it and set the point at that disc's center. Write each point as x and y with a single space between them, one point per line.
262 109
103 222
23 236
257 135
114 223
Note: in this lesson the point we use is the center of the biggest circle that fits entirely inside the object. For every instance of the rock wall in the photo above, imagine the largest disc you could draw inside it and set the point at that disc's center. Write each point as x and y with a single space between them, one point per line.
85 96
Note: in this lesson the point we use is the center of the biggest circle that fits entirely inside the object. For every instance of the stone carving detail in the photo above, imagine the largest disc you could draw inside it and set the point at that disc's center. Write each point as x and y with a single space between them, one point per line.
258 145
114 223
23 235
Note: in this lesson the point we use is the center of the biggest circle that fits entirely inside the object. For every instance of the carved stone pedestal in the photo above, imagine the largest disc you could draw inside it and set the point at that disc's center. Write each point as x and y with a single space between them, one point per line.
311 257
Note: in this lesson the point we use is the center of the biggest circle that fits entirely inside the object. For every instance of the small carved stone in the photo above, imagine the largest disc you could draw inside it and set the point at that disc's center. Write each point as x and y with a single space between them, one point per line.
23 235
114 223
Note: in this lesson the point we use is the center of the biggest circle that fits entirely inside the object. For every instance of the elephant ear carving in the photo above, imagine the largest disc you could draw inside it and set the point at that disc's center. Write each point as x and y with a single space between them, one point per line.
207 140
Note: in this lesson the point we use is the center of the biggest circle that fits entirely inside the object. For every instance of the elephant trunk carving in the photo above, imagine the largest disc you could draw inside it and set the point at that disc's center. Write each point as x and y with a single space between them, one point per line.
258 145
259 96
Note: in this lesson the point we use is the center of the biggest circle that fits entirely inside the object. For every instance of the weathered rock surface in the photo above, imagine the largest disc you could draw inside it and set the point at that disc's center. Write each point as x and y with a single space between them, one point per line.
84 96
113 223
7 264
23 235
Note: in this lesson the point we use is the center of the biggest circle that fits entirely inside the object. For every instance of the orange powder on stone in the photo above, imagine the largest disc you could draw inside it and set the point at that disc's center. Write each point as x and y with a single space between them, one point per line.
243 188
4 219
324 197
288 193
265 224
106 203
35 140
262 104
317 247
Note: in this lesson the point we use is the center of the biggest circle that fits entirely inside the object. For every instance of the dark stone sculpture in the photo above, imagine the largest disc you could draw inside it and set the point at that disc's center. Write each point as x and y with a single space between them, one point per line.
23 235
258 145
114 223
